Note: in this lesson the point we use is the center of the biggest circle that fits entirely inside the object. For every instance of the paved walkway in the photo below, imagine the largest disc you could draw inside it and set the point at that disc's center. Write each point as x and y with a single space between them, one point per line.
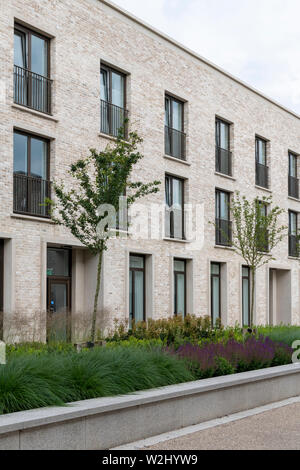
277 429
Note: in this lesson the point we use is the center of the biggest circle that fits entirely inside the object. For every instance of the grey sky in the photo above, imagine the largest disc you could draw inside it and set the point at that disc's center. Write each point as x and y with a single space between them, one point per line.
256 40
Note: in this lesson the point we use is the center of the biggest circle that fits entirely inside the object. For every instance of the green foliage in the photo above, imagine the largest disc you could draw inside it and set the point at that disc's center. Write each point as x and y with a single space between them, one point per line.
282 333
99 179
36 380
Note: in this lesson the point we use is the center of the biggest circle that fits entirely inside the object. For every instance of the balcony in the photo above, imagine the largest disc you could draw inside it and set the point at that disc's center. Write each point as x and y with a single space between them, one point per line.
262 175
30 194
293 246
113 119
223 161
223 232
175 143
293 187
32 90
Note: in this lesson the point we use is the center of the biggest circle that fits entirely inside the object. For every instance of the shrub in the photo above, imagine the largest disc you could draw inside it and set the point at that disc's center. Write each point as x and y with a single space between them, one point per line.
253 353
35 380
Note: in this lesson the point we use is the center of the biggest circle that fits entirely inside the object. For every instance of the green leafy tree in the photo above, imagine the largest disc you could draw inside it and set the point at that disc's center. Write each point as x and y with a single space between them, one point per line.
100 180
255 233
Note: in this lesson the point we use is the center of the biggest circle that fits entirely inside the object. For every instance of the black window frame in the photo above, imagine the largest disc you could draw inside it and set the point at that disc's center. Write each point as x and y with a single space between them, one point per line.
107 106
133 270
175 274
212 276
293 181
172 134
28 75
16 175
221 153
171 178
293 239
248 278
219 229
261 169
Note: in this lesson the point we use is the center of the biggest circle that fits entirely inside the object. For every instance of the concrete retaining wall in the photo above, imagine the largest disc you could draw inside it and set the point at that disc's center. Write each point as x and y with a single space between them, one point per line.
108 422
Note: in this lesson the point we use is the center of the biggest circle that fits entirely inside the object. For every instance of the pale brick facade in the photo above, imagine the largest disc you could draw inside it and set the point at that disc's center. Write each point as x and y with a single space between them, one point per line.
82 34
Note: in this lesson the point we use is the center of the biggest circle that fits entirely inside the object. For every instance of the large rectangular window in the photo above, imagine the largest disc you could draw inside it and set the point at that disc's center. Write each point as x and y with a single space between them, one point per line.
174 128
223 154
174 216
246 295
215 277
136 289
293 176
179 287
113 101
31 174
32 84
261 230
293 234
223 223
59 293
262 170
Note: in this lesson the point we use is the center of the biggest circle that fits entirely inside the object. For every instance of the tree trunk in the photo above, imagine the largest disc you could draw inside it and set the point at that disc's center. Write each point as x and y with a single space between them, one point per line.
94 318
252 295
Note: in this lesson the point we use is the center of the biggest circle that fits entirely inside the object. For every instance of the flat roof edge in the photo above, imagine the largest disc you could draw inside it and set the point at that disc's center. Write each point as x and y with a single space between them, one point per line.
196 55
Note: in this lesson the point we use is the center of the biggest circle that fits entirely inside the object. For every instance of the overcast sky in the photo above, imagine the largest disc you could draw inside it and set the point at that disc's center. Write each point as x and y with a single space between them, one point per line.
256 40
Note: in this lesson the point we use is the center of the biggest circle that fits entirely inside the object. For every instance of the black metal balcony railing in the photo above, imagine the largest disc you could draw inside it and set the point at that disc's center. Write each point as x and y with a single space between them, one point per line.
223 161
223 232
262 175
175 143
30 194
32 90
293 187
293 246
113 119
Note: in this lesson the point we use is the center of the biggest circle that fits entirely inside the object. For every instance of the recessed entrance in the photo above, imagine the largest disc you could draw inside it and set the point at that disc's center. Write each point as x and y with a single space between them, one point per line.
280 310
59 293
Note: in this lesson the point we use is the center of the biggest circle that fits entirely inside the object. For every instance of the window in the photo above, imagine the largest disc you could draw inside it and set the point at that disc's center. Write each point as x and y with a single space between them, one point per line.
215 275
174 215
246 295
136 289
174 127
293 176
223 223
223 154
293 234
31 174
113 101
179 287
261 229
59 293
32 84
262 171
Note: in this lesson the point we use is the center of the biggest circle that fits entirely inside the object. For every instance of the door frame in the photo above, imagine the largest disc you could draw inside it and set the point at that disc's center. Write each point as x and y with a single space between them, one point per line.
67 282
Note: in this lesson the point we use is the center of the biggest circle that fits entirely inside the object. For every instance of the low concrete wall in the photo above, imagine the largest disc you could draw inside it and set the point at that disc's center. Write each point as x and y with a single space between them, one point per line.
109 422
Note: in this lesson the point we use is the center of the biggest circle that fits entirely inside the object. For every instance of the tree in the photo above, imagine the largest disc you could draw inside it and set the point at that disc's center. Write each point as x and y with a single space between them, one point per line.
101 179
255 233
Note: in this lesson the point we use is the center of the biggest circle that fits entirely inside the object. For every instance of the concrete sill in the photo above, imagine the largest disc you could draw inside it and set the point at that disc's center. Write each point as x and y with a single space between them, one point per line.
32 218
294 258
264 189
225 176
177 240
109 137
293 199
177 160
230 248
34 112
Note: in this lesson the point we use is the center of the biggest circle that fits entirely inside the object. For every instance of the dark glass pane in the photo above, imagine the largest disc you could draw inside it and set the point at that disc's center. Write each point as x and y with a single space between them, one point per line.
20 50
38 162
58 262
136 262
20 153
39 55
